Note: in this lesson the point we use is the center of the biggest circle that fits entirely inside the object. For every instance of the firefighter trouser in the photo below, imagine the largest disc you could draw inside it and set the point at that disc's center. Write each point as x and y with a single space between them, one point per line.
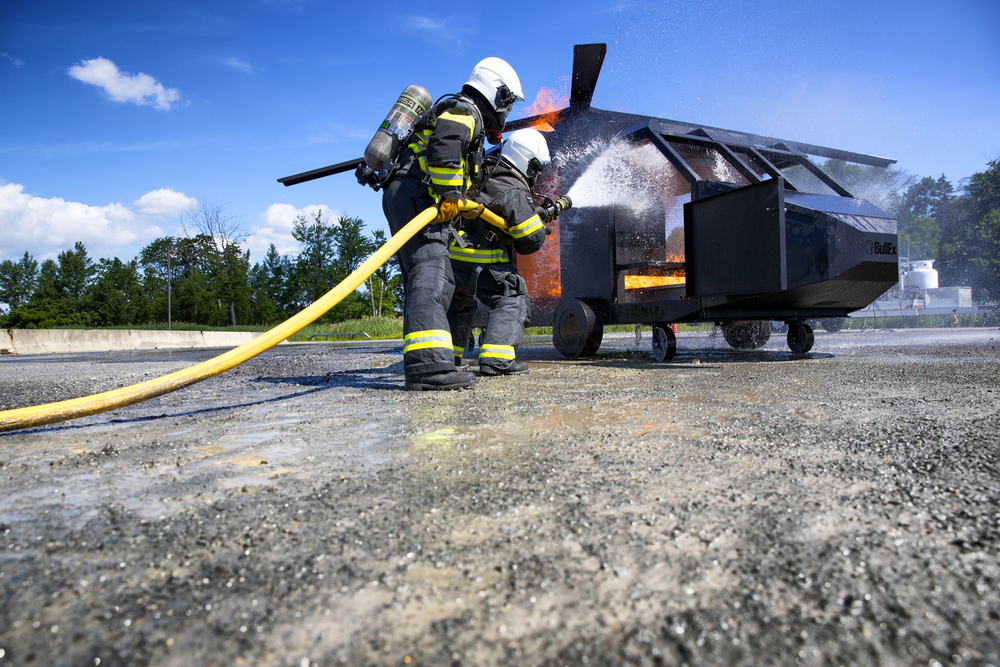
505 293
427 278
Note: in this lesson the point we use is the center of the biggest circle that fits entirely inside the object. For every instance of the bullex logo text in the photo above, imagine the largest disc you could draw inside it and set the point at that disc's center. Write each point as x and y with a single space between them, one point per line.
876 248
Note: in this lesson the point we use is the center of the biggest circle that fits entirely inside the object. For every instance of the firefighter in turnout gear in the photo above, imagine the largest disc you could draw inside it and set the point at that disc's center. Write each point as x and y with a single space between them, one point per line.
482 258
439 162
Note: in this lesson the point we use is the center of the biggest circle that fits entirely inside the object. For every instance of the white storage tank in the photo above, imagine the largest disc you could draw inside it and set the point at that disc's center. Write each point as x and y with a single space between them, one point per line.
922 275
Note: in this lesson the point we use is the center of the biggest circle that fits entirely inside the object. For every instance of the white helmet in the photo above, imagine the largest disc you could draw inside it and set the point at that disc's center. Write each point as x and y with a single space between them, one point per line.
527 150
498 83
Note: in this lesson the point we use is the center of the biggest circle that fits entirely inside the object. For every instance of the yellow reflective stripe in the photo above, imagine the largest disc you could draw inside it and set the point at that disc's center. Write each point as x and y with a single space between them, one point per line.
468 121
476 255
458 350
446 176
419 141
444 171
526 228
496 351
479 260
420 340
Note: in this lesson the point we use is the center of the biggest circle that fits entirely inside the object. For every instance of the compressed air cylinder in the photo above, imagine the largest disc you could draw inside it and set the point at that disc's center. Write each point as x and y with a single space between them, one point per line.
410 105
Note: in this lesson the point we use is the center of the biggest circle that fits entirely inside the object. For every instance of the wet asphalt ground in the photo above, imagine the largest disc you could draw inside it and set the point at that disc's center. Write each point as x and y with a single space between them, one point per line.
728 508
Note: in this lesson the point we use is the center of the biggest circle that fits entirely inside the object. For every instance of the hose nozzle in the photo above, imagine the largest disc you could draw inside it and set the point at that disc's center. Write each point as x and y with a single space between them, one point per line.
550 209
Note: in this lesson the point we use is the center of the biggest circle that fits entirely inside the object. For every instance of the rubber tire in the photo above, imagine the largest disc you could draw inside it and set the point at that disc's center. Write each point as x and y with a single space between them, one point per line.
800 338
747 334
833 324
664 343
577 329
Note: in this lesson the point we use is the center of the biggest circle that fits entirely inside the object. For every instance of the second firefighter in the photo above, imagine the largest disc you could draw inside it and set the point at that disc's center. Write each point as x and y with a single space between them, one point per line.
483 256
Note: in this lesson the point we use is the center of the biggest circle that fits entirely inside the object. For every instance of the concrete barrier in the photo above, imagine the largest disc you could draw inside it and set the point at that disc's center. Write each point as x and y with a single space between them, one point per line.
41 341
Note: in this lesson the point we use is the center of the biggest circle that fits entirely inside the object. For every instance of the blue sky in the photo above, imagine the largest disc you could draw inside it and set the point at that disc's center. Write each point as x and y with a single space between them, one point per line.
120 117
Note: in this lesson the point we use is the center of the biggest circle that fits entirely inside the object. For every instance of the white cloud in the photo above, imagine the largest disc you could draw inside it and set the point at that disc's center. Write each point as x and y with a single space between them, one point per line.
124 87
427 23
17 62
165 202
45 227
278 221
236 63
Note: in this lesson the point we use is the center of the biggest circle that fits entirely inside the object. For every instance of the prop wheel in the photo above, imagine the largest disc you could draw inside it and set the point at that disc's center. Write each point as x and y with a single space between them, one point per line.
800 338
577 330
664 344
747 334
833 324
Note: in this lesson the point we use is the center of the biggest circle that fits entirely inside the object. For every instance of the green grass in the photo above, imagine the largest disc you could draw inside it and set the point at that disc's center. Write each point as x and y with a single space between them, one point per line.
382 328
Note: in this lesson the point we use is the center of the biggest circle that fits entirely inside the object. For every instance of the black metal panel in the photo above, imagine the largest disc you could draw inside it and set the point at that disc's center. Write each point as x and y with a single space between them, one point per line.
586 253
702 189
587 62
735 241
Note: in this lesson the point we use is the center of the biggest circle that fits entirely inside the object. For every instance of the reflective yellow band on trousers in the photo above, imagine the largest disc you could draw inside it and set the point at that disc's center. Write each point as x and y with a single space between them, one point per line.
422 340
458 350
496 351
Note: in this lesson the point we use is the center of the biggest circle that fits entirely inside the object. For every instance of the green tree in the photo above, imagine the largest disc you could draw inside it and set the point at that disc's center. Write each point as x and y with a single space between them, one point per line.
926 198
970 246
353 247
380 293
880 186
116 292
61 298
193 299
227 265
920 239
316 267
18 280
271 288
159 267
75 272
983 190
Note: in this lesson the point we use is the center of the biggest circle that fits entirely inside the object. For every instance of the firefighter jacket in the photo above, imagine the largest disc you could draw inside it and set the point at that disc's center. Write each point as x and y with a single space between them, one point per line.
445 148
506 192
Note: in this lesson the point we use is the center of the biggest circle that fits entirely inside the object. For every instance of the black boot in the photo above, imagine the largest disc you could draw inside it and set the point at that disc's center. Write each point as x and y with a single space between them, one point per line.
440 381
516 367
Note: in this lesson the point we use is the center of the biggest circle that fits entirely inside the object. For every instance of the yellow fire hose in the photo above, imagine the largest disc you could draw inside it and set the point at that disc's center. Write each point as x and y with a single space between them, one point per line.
50 413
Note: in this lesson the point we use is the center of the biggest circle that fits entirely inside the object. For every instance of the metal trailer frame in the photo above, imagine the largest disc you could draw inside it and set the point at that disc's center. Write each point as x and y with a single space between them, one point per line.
757 252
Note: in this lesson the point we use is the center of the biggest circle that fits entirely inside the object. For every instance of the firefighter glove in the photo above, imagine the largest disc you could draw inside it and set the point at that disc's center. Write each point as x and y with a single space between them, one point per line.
447 210
473 213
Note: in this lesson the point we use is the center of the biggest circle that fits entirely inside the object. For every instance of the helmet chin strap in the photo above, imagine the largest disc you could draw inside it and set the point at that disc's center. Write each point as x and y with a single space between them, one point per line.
493 136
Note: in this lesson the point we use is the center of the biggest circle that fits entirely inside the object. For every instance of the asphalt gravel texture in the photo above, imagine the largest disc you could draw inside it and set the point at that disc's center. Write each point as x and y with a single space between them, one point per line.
840 507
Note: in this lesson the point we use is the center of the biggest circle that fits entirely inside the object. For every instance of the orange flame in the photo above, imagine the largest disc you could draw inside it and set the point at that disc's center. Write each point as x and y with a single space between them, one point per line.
678 277
547 104
638 282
